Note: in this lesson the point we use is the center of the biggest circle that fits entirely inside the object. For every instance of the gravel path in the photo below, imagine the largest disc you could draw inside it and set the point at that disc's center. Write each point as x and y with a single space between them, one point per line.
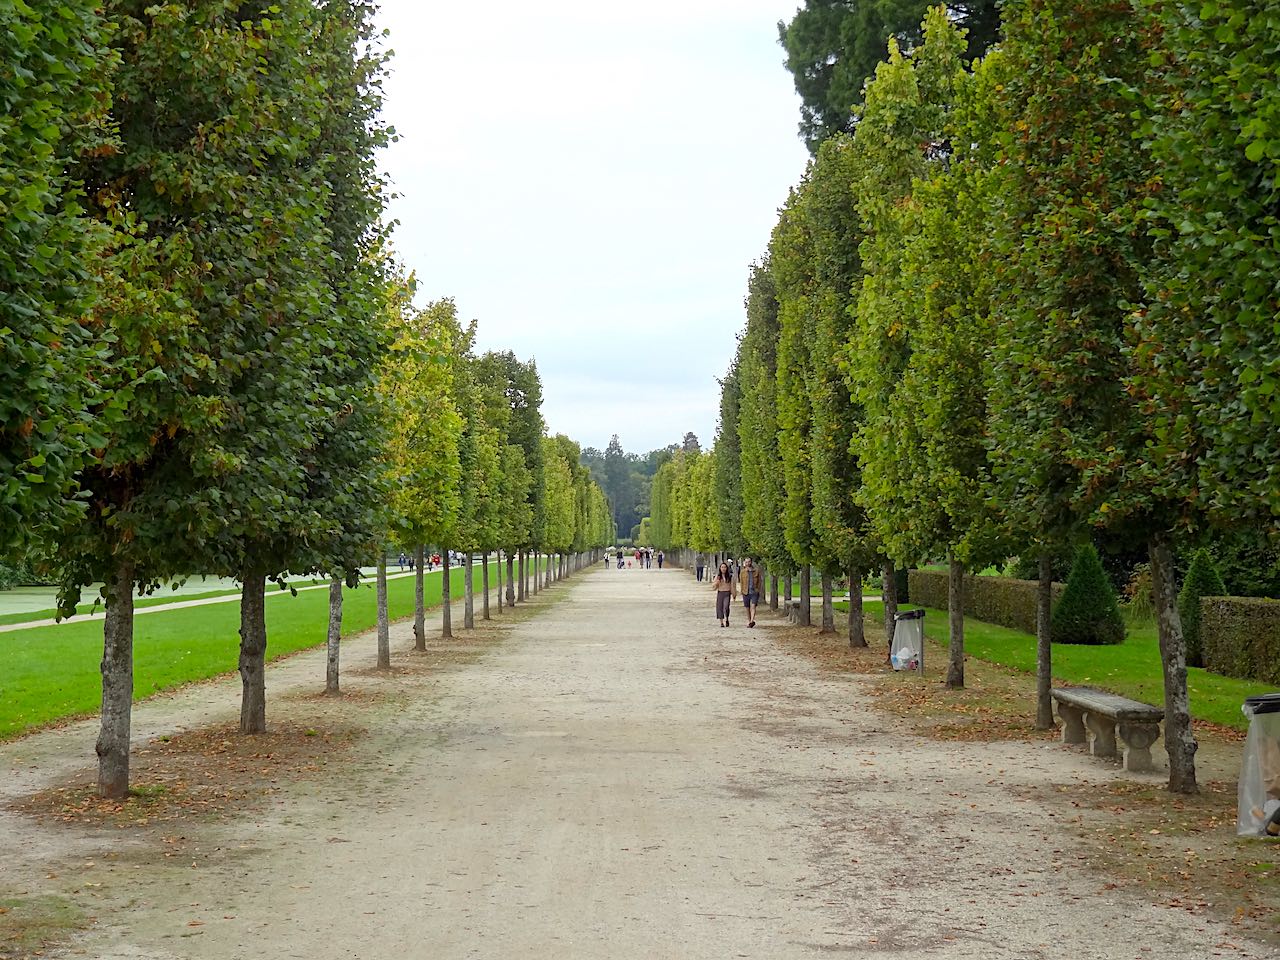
621 778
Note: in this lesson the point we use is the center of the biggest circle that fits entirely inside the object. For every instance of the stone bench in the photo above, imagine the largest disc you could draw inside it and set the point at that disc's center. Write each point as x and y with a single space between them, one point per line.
792 609
1095 716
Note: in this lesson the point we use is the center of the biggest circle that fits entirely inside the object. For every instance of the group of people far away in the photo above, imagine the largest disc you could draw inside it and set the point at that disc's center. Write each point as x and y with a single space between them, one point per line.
749 582
644 558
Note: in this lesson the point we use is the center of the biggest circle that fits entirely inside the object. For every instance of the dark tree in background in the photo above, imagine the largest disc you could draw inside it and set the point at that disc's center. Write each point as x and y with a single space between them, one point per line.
833 47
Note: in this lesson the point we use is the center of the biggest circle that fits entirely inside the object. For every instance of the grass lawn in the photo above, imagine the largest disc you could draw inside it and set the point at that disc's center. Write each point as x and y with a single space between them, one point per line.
1131 669
156 599
51 672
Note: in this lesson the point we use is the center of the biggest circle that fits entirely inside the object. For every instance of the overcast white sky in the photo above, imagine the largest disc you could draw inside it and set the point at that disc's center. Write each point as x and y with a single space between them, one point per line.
591 181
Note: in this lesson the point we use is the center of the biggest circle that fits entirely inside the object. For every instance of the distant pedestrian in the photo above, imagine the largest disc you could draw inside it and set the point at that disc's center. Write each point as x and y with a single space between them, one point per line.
661 557
726 589
751 582
402 559
700 564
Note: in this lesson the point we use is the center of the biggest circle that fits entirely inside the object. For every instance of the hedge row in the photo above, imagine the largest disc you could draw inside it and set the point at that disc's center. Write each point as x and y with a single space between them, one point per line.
1240 637
1003 600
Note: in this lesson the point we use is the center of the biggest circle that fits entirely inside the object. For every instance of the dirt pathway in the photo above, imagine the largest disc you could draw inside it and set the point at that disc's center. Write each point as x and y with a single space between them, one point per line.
615 778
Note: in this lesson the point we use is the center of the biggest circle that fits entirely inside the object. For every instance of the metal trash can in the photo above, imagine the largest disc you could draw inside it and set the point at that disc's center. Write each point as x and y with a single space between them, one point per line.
1259 799
908 641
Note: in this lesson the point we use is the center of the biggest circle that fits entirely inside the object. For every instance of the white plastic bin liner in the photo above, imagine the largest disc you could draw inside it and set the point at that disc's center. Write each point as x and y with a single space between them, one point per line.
908 640
1259 810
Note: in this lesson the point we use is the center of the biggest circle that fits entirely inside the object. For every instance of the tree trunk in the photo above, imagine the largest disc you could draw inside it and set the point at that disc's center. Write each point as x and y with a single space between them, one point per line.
446 600
1179 739
497 569
888 594
484 585
511 575
773 591
520 596
955 622
419 605
253 653
786 589
806 601
334 642
384 625
1044 645
857 628
117 687
468 593
828 607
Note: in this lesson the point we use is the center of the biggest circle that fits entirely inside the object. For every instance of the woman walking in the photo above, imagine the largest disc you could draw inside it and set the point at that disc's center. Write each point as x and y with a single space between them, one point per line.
726 588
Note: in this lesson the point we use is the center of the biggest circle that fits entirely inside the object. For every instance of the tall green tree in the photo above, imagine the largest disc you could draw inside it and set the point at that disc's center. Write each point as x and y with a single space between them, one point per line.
1074 433
485 416
940 398
763 492
728 462
842 534
791 261
1209 365
55 87
421 456
303 325
834 46
897 139
345 481
219 307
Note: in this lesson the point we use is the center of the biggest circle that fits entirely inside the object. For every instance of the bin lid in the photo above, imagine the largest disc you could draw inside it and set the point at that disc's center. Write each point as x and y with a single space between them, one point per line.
918 615
1263 703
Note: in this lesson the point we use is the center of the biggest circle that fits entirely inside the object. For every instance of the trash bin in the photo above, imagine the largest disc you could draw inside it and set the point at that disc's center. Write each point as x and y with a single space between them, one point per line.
908 641
1259 810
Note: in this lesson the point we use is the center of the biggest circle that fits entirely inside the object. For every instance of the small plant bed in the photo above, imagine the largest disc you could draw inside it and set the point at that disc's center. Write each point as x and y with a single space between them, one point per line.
994 705
1182 849
204 774
1131 669
29 924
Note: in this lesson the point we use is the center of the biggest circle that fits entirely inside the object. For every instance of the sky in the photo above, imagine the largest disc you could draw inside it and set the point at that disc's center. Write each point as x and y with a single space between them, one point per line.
591 181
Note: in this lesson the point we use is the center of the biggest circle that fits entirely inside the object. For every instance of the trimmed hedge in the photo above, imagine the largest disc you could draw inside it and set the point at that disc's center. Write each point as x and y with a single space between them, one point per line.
1001 600
1240 637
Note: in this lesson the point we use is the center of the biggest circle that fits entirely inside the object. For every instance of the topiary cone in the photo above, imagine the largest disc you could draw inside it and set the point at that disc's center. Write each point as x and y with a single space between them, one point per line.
1087 612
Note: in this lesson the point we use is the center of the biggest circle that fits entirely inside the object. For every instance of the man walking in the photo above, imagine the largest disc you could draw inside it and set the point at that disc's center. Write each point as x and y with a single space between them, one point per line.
751 584
700 564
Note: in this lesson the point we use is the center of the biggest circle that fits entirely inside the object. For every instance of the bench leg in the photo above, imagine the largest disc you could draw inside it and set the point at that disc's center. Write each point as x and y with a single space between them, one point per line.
1138 738
1103 743
1072 724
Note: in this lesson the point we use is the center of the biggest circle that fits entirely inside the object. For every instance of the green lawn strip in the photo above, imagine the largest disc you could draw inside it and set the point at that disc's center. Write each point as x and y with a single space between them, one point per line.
159 598
1131 669
51 672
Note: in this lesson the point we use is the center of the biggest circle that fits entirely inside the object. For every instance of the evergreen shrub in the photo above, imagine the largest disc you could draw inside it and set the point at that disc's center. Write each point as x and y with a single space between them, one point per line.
1202 581
1088 612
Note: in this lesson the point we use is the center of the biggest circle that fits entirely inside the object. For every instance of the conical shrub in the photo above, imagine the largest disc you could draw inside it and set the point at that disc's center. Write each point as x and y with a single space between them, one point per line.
1087 612
1202 581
